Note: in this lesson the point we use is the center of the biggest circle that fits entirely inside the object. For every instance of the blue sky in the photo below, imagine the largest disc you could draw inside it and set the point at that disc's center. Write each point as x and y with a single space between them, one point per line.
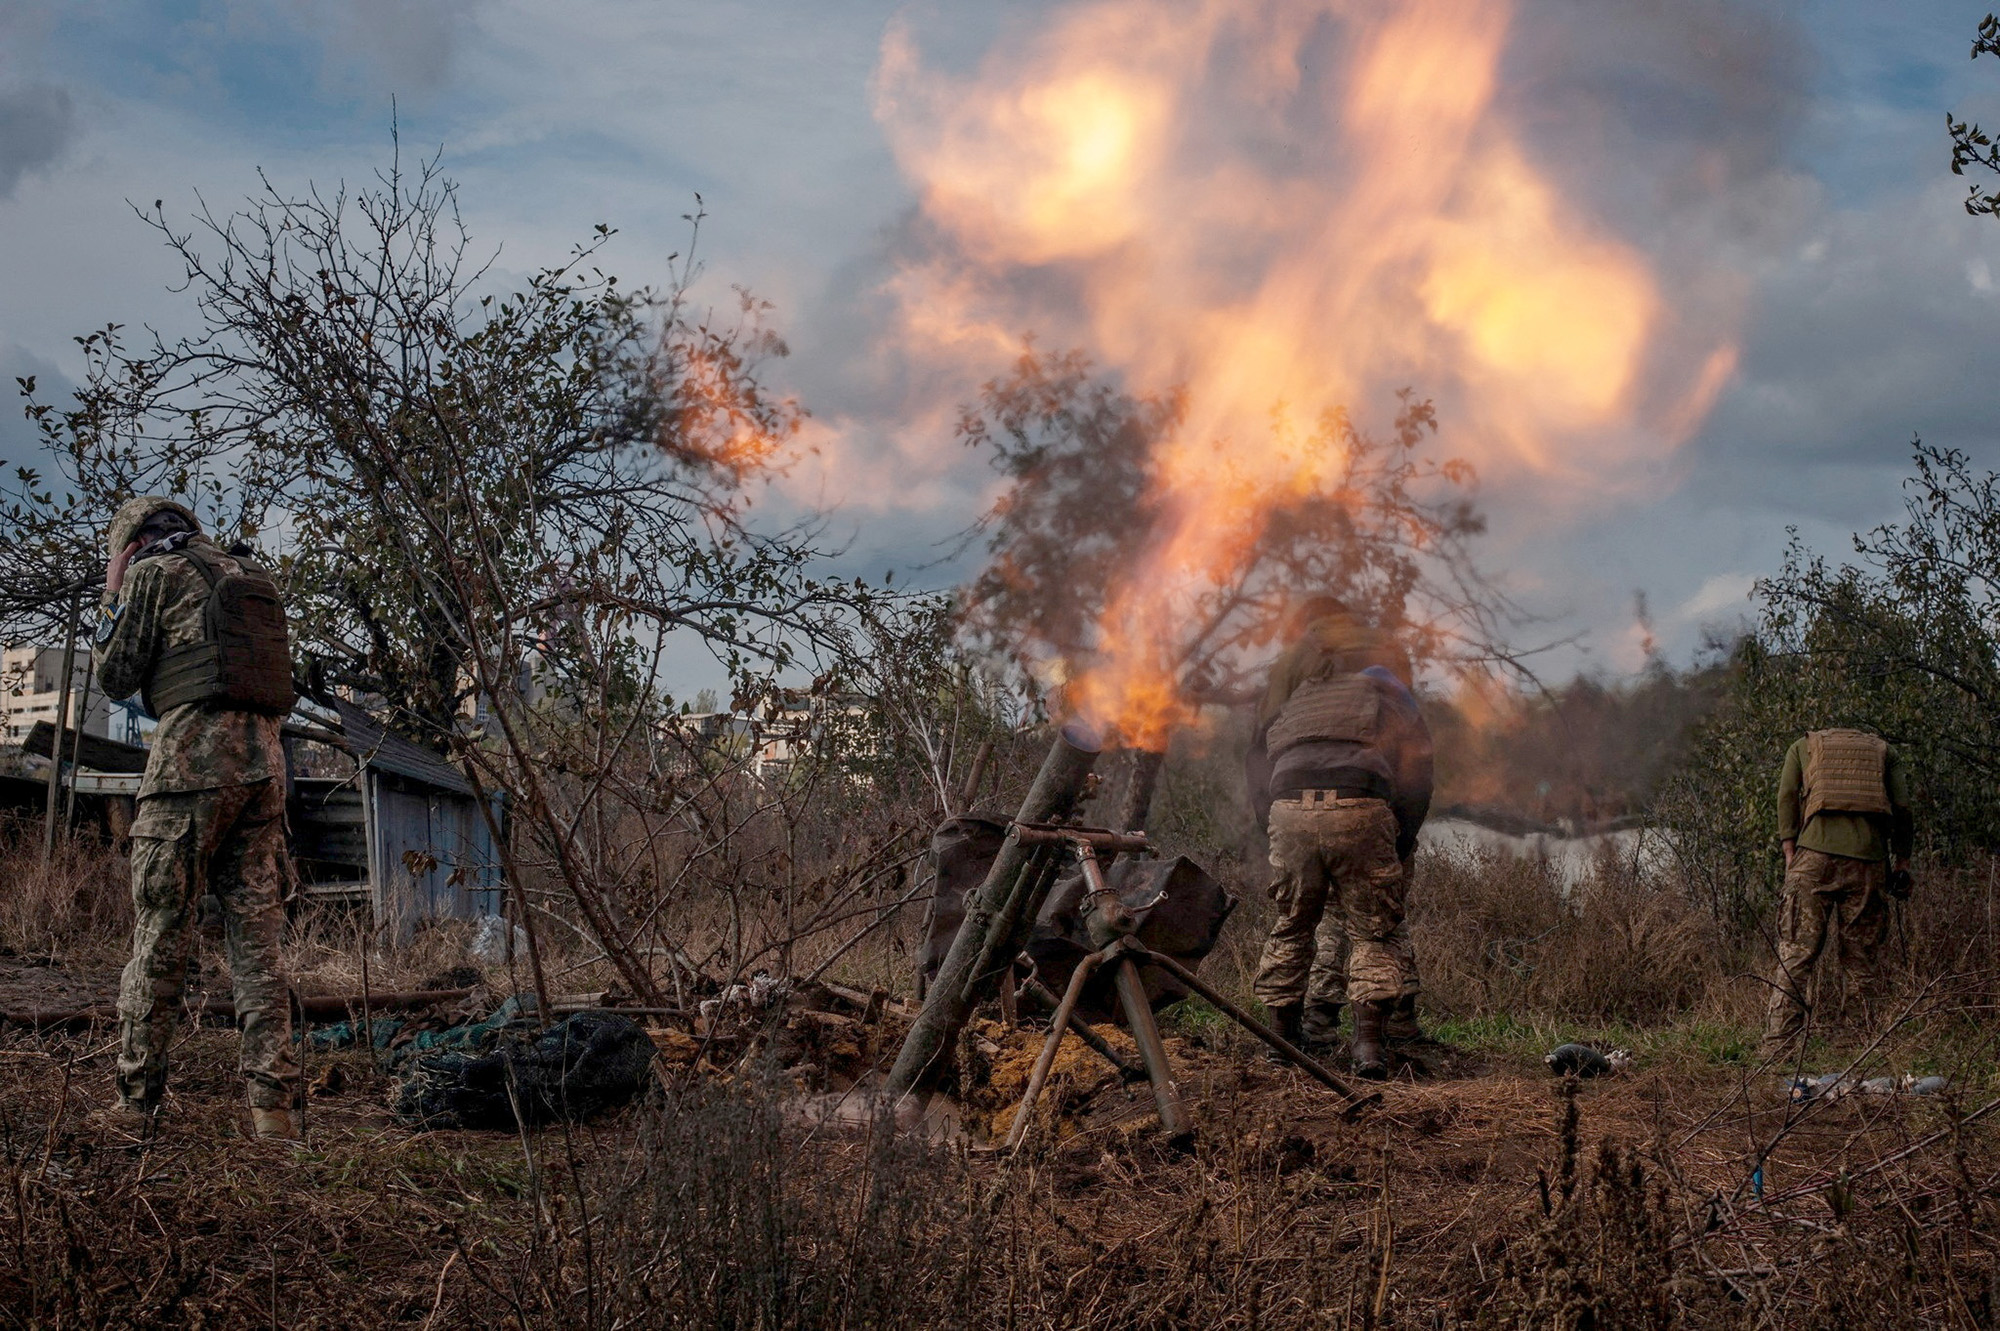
1870 316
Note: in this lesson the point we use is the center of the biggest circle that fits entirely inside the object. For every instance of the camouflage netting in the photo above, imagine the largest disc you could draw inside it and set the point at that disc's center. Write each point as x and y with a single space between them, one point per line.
581 1066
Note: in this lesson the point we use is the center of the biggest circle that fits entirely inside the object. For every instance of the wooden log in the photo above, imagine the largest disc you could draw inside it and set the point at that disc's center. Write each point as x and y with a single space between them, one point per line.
313 1006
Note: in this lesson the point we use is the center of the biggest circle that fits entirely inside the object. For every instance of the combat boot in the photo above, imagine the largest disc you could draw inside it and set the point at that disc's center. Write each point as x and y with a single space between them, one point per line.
1321 1027
1285 1020
1368 1060
125 1118
1402 1021
277 1124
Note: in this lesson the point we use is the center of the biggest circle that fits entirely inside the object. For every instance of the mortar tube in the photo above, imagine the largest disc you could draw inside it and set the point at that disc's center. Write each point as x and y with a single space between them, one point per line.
1024 903
1057 788
1139 787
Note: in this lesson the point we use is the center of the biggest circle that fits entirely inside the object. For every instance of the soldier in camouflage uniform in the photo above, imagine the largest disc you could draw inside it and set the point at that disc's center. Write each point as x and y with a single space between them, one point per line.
210 819
1343 817
1843 817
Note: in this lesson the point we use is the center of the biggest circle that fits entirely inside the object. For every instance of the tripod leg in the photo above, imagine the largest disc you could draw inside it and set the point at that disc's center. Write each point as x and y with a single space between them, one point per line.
1265 1033
1040 1074
1152 1052
1042 994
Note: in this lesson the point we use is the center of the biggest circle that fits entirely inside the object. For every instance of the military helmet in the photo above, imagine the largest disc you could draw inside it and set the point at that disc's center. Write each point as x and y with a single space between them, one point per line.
132 515
1315 608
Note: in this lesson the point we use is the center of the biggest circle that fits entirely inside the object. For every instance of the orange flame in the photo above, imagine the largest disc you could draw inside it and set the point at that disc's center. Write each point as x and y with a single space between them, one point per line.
1279 205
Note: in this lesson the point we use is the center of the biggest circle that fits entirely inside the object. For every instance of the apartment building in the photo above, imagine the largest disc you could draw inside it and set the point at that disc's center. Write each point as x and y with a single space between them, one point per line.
31 690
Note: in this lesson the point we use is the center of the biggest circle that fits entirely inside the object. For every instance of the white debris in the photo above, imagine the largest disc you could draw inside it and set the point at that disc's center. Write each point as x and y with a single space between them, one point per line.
1836 1086
1570 857
489 941
763 989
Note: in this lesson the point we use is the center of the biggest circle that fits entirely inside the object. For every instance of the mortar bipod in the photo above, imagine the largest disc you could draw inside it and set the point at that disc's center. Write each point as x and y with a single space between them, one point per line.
1110 926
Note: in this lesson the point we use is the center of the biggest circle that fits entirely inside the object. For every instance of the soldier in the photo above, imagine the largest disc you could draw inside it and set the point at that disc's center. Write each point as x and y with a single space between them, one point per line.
1345 761
1843 814
201 634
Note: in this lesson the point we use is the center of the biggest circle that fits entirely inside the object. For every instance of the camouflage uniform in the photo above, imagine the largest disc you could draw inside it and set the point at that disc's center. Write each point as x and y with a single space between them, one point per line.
1339 886
1336 869
1326 982
1824 893
1837 883
211 819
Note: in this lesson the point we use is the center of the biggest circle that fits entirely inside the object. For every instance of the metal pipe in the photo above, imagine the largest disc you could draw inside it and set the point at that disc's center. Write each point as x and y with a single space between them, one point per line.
1058 787
1005 934
1065 1010
1152 1050
1096 839
76 750
1305 1061
55 742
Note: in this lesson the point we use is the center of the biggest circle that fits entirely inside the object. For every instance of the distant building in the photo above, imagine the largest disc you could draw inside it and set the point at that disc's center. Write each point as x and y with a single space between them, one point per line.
777 733
31 691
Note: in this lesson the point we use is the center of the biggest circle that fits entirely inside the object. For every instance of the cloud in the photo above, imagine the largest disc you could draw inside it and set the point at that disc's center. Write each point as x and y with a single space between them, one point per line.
19 441
1722 592
37 121
390 45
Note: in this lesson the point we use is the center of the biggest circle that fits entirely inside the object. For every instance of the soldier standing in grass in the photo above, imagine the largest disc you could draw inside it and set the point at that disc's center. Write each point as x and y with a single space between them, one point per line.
1348 762
201 634
1843 816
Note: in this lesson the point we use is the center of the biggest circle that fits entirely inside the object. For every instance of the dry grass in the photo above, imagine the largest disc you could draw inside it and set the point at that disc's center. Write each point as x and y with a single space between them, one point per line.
1508 1200
1485 1194
1497 935
77 906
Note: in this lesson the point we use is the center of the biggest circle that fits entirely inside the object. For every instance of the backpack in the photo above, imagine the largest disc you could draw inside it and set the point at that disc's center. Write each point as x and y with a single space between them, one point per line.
1844 773
1340 706
243 661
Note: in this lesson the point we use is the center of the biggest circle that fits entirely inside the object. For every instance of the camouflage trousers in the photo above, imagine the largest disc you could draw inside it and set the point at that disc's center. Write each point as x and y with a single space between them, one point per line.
1825 894
1326 982
1336 880
229 842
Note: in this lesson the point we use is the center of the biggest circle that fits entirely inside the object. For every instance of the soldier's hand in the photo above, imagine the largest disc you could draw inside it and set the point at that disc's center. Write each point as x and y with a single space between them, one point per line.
114 577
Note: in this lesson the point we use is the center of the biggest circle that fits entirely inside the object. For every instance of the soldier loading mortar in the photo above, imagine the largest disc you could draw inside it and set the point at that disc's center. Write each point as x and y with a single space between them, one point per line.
1340 767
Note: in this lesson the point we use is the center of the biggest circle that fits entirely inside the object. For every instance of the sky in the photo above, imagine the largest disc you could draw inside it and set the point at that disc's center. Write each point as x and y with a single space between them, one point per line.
1822 235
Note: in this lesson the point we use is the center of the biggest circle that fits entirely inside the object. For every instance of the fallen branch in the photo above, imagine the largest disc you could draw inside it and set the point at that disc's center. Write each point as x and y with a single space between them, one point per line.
316 1006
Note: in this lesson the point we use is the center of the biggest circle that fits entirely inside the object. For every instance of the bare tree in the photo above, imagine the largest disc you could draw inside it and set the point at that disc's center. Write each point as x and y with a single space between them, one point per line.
496 510
1391 533
362 390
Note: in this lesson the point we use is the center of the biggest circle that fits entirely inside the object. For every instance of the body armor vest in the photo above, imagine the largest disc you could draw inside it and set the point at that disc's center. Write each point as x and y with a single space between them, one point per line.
1343 706
1844 773
243 660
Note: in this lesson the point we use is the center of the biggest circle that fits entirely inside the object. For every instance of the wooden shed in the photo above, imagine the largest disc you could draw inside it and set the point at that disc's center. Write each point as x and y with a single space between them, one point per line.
401 832
404 833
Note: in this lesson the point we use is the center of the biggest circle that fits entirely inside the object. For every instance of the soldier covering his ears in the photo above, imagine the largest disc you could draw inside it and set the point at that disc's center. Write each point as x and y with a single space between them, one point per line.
201 634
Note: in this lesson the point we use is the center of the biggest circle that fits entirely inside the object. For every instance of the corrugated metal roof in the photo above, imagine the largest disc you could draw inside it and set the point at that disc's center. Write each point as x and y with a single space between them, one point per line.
99 754
385 751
